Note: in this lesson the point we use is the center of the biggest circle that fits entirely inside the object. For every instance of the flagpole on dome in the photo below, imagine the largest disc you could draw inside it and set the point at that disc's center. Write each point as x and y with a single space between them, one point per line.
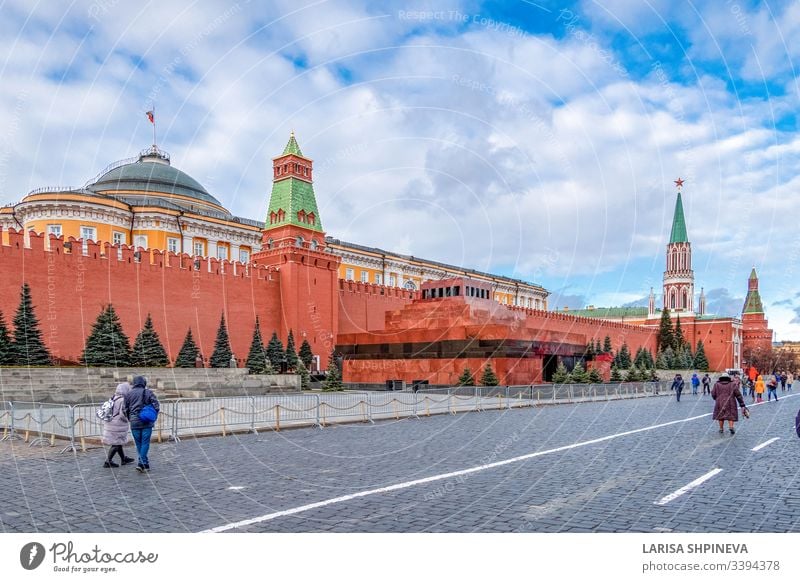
151 115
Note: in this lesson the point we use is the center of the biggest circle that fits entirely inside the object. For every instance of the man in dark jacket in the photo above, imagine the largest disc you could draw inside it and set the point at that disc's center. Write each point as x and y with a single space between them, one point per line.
135 400
677 385
706 385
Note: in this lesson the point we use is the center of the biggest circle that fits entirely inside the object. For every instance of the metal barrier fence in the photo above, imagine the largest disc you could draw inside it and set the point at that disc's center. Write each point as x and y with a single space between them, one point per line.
42 423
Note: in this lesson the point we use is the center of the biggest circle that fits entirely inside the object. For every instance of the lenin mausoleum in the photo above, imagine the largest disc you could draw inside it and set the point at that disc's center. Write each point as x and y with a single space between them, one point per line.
149 239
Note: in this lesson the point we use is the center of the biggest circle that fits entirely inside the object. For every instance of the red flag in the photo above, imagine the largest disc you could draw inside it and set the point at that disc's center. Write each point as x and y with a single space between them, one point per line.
151 117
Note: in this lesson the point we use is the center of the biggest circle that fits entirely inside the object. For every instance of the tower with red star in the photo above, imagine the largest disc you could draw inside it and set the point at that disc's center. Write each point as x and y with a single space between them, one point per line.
679 276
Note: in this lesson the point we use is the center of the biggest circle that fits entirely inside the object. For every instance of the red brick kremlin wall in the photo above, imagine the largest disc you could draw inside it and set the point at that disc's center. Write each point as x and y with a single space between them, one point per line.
363 306
70 289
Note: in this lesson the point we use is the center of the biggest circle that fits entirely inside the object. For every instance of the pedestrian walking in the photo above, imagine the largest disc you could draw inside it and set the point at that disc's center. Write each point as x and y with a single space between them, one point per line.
784 379
772 388
695 384
135 401
706 384
789 381
760 386
116 429
726 394
677 385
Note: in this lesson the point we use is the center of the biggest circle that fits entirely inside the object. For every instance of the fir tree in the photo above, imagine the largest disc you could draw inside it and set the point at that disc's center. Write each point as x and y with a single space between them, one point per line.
305 377
107 344
187 356
615 375
595 377
28 348
661 361
598 349
651 363
589 352
489 378
257 360
624 356
291 353
653 375
607 349
466 378
684 358
640 360
6 346
221 357
669 358
306 355
700 359
333 379
560 376
147 348
678 341
578 375
275 352
632 375
664 339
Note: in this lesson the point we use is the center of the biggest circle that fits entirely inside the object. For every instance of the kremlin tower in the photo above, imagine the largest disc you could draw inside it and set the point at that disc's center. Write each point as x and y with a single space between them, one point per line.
756 335
679 276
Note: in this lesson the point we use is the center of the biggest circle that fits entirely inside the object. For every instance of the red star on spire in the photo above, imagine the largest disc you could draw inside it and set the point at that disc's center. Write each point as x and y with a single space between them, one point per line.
679 183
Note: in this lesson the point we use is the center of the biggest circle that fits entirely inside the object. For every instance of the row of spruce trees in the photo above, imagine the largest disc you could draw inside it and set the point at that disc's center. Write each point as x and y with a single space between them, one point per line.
674 350
488 377
108 345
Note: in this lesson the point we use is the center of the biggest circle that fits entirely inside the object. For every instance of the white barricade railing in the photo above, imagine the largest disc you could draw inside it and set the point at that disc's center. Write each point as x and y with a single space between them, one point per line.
42 423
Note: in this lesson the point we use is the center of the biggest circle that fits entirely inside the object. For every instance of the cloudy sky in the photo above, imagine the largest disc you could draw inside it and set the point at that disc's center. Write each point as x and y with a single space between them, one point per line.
535 139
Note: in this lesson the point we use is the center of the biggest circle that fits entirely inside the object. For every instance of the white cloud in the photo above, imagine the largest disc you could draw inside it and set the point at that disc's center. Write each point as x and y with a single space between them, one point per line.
530 155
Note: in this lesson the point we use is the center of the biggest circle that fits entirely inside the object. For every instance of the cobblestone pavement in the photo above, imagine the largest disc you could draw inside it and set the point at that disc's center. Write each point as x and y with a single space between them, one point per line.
609 485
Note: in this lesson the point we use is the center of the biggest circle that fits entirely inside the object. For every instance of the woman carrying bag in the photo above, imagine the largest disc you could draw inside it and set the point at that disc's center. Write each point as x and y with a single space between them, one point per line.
726 394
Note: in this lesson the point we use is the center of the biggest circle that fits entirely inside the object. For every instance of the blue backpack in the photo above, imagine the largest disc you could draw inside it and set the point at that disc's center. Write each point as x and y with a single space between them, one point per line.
148 413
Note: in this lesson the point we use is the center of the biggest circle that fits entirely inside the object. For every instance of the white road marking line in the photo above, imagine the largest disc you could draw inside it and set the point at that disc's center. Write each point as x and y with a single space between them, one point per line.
431 479
689 487
235 488
764 444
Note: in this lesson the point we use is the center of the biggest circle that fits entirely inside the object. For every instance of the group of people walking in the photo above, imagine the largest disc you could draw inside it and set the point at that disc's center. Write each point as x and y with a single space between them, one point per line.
127 403
729 390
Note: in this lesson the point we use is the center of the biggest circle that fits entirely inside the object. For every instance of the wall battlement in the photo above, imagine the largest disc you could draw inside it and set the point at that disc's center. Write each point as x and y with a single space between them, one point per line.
70 288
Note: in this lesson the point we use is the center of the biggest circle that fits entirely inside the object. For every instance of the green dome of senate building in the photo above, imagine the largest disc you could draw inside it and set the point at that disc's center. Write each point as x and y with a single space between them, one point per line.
154 177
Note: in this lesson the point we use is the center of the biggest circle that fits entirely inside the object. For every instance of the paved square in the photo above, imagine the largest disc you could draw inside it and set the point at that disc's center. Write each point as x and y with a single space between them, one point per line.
609 485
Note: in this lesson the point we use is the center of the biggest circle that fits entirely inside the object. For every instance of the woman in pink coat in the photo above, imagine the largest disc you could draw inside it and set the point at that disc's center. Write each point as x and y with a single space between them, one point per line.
117 430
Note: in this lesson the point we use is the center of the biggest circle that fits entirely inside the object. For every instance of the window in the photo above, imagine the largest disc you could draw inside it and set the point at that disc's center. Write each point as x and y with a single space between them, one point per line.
410 286
88 233
118 238
172 245
244 256
314 244
348 274
270 243
222 252
299 241
364 277
392 281
378 278
54 229
140 240
199 248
